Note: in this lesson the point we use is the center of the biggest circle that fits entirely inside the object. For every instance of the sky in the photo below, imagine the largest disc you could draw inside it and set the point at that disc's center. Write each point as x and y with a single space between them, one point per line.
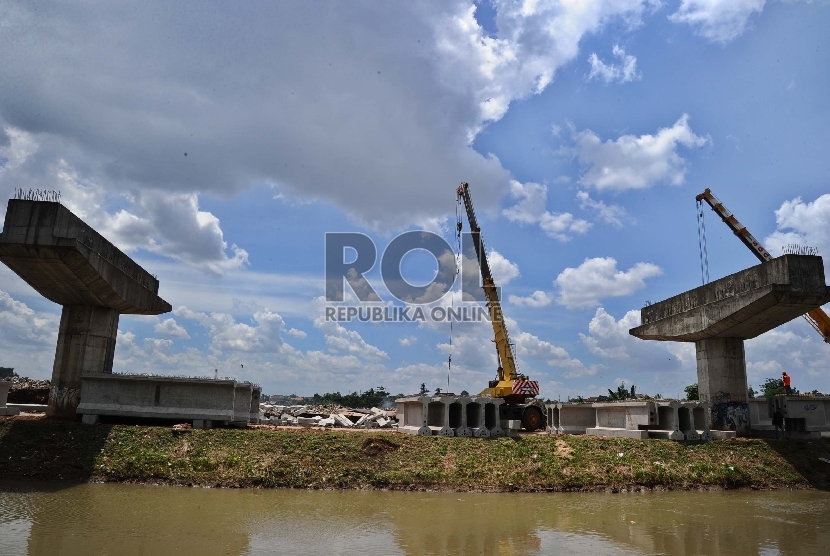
218 143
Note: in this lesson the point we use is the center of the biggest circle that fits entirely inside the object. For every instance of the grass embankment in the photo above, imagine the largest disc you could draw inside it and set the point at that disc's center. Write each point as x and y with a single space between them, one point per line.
44 449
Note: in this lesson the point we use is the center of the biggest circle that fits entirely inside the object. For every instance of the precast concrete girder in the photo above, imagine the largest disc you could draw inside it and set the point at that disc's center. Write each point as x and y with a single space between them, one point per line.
476 416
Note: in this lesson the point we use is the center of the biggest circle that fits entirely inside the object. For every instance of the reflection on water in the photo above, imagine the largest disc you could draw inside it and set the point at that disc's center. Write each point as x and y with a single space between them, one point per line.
145 520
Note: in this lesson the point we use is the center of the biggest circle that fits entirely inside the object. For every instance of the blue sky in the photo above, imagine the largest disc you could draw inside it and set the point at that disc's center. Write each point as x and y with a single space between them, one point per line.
584 129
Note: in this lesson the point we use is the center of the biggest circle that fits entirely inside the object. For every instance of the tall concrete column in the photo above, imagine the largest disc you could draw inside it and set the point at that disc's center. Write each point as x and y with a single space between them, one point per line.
721 370
86 342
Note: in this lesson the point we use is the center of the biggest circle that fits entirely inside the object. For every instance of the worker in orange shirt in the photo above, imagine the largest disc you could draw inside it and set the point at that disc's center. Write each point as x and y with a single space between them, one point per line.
786 379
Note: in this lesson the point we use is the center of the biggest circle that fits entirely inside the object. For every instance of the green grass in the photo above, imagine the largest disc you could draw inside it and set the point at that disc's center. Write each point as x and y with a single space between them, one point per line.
44 449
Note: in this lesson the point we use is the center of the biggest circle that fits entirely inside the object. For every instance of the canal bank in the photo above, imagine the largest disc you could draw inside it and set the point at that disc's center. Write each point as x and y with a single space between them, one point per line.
42 449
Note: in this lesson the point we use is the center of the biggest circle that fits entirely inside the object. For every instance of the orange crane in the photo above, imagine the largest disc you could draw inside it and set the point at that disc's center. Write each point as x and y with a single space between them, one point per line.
817 318
509 384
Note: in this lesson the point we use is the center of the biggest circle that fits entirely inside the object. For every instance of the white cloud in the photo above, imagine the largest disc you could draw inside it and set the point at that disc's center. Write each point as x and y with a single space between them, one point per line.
598 278
502 269
793 347
375 110
623 72
27 341
534 40
208 292
160 345
228 335
531 202
632 162
267 360
296 333
529 346
171 329
407 341
610 214
536 299
802 224
530 209
717 20
609 338
22 325
341 340
27 338
473 350
161 222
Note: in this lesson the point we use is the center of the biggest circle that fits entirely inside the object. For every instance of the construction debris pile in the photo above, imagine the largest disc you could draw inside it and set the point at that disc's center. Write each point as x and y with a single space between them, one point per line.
28 391
327 416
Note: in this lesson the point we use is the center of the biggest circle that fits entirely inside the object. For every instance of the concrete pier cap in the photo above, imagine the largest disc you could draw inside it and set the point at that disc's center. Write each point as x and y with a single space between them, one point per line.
719 316
68 262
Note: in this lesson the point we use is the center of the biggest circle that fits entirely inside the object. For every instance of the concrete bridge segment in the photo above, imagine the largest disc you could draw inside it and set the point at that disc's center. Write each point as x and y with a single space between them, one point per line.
68 262
720 315
742 305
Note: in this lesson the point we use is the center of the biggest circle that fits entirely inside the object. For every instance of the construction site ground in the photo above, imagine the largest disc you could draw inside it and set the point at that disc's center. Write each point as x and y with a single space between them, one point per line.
34 447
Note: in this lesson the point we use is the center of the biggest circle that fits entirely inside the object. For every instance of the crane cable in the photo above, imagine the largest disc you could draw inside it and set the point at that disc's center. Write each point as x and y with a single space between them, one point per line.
701 243
458 226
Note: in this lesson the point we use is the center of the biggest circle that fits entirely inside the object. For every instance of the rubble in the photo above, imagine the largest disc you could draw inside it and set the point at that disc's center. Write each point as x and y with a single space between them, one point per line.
327 416
341 420
308 421
25 390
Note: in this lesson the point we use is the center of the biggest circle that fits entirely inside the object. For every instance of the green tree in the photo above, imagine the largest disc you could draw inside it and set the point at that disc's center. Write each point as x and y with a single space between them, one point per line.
622 393
750 392
691 392
774 387
369 398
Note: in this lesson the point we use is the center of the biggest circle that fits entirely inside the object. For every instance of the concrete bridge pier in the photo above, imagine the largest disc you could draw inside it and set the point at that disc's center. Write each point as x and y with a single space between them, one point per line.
721 370
720 315
86 343
64 259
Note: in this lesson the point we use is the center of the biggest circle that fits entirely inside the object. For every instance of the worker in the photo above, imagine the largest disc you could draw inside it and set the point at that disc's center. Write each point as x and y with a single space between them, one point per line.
778 422
786 379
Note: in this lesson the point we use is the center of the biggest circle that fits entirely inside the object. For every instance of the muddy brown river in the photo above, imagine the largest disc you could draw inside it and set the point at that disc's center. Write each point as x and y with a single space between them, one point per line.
51 518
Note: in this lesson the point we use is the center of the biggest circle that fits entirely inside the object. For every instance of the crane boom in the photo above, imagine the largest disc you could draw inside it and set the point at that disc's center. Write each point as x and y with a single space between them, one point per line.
817 318
738 228
509 385
507 363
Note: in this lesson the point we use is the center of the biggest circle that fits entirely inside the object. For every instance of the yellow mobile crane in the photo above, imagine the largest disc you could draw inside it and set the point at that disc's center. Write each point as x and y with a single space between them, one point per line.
817 318
509 385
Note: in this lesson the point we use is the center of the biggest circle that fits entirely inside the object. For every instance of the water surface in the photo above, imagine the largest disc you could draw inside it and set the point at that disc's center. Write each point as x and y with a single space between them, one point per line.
149 520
